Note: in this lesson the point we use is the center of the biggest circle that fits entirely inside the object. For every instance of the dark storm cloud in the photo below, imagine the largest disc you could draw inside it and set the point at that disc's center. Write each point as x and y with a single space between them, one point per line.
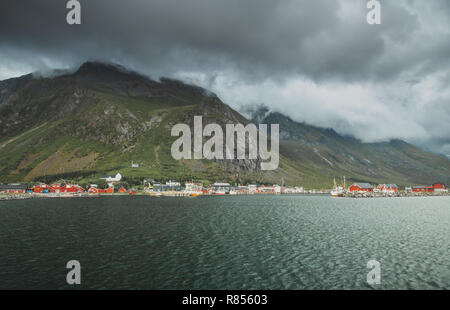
264 37
306 58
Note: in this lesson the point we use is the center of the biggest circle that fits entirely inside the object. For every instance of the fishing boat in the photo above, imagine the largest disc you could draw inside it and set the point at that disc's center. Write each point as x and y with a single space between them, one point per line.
221 188
193 189
338 191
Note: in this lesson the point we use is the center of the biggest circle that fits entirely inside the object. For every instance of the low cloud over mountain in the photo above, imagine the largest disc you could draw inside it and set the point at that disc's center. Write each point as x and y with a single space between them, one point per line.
317 61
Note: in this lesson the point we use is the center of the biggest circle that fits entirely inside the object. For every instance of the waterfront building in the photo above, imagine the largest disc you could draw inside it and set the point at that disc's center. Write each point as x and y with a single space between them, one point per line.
96 190
193 187
277 189
435 188
419 189
169 186
439 188
13 189
361 187
253 189
70 188
219 188
41 188
387 188
173 186
55 188
294 190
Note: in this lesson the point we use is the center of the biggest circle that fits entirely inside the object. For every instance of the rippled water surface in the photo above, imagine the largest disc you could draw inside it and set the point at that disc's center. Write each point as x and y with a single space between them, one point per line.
249 242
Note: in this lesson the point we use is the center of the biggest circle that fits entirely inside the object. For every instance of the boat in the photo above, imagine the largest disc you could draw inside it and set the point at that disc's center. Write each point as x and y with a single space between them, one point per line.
193 189
338 191
220 188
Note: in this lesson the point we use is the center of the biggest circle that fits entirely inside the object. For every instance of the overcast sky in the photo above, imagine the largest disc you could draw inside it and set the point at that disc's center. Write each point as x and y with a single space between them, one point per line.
316 60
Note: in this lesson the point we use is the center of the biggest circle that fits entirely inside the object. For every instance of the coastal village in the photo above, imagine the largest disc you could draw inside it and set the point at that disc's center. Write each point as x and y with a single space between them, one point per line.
174 188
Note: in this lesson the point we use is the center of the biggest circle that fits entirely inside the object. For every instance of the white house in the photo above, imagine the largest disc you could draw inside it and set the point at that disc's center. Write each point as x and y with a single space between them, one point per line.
116 178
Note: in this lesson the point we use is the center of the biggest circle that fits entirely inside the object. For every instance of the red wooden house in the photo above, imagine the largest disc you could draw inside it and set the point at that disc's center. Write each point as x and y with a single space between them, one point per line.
388 188
13 189
438 185
93 190
41 188
55 188
419 189
361 187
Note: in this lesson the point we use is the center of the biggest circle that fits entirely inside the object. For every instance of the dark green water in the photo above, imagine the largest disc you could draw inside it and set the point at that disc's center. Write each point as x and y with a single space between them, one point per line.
250 242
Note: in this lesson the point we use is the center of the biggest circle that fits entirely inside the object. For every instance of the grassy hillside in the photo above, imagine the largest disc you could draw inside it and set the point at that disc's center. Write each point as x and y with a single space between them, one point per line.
324 150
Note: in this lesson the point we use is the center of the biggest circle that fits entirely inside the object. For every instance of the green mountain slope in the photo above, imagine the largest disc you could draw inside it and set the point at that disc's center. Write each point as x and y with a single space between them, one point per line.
325 152
101 118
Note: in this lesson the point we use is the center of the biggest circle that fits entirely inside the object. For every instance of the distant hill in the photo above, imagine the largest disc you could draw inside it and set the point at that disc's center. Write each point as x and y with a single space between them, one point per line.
325 152
102 117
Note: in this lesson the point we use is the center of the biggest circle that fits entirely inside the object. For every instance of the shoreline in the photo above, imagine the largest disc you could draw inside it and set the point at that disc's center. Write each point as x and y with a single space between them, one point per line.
6 197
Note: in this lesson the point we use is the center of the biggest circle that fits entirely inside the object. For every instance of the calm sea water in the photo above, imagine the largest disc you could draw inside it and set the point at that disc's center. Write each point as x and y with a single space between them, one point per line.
249 242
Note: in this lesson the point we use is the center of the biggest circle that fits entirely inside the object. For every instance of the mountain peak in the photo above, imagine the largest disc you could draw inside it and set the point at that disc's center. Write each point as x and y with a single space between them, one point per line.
100 67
